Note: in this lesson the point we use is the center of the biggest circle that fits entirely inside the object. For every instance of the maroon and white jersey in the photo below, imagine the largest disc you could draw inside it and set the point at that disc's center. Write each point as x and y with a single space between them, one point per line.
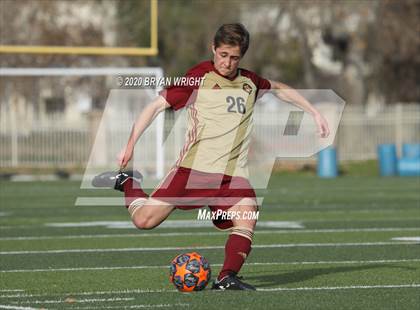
219 119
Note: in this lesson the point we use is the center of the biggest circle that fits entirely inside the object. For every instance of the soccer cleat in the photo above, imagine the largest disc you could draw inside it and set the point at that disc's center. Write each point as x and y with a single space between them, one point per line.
232 282
115 180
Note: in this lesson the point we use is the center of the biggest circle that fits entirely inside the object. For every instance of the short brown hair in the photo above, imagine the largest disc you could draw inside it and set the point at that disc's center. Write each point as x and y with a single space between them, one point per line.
234 35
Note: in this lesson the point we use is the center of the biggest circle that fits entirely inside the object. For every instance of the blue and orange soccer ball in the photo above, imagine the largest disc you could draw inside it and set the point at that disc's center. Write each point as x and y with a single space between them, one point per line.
190 272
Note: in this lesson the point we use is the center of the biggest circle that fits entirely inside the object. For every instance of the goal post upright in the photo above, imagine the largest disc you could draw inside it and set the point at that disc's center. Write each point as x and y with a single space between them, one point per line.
150 50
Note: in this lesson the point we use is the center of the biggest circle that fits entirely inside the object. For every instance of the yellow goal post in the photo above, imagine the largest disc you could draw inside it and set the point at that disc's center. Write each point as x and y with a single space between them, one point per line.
152 50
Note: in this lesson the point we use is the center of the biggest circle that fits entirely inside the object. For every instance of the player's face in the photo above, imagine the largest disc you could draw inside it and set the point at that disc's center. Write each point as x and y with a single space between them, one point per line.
226 59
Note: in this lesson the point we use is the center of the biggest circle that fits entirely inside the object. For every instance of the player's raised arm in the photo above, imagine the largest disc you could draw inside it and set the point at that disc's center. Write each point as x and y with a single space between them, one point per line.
288 94
143 121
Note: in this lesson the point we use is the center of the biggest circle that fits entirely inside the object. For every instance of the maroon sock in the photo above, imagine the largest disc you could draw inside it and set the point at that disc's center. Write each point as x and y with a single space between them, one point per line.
132 191
237 249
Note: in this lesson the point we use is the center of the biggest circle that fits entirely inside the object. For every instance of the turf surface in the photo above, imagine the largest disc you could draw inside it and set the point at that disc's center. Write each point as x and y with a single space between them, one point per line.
343 256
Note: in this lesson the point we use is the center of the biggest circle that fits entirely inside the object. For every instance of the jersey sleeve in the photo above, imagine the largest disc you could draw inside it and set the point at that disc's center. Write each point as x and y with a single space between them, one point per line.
179 96
263 85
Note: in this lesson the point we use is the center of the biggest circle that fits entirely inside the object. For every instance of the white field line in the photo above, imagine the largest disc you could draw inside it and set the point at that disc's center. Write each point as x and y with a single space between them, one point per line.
215 247
75 301
175 234
412 285
333 288
16 307
137 306
134 291
347 220
382 261
407 239
171 224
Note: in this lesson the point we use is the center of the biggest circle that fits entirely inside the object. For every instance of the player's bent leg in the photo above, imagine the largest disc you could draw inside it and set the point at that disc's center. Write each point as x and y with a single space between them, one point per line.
147 213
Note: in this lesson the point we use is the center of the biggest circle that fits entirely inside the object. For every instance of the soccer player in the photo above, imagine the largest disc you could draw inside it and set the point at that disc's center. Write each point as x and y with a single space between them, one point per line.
212 167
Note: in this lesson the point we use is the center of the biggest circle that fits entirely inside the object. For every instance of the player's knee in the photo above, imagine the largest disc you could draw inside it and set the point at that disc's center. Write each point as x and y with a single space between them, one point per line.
250 223
248 216
143 222
249 208
249 211
246 204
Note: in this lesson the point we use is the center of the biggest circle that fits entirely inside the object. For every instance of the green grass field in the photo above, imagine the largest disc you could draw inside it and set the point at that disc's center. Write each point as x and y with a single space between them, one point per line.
342 253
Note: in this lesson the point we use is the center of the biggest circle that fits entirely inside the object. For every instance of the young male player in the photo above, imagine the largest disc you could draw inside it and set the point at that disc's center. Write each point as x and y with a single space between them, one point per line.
212 167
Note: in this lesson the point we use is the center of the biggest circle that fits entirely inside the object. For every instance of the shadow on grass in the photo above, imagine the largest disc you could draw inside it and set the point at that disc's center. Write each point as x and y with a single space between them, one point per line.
307 274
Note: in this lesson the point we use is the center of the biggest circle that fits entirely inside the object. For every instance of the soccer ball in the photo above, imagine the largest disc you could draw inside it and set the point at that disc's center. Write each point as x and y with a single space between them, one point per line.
190 272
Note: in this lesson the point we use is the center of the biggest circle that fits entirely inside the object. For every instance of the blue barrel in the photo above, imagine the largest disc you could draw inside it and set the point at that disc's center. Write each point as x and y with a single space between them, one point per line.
411 150
409 167
327 163
387 155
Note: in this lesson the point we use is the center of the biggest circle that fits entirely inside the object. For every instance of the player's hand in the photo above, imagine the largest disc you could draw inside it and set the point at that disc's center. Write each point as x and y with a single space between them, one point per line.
125 156
322 125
